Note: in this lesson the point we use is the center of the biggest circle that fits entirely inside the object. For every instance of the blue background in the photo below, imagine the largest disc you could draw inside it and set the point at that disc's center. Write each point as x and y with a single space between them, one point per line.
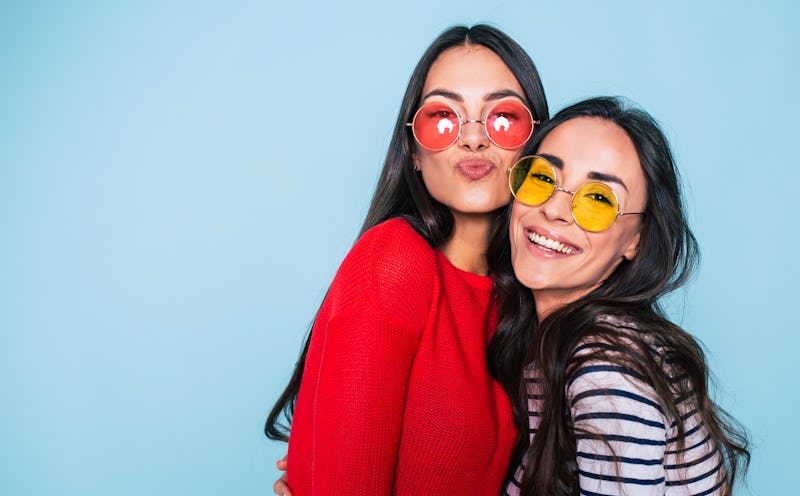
179 181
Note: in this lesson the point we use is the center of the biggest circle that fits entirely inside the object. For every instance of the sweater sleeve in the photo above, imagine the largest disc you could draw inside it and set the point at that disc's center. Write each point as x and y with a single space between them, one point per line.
378 306
620 430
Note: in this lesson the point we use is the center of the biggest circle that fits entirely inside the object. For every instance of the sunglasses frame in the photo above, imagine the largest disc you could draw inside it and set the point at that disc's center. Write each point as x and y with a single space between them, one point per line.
461 122
557 187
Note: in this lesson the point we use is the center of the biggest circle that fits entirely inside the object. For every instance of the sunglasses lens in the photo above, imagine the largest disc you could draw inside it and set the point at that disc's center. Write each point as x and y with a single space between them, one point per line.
509 124
595 207
436 126
532 180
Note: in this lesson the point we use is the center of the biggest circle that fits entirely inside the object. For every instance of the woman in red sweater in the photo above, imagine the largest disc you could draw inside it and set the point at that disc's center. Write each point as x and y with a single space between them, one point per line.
391 394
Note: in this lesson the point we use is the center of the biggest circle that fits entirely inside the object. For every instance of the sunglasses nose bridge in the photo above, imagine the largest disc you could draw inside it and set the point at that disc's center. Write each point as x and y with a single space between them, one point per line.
556 187
555 209
475 121
473 137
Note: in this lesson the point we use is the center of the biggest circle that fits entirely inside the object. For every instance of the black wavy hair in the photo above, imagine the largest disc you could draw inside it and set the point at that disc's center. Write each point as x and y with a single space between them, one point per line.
666 257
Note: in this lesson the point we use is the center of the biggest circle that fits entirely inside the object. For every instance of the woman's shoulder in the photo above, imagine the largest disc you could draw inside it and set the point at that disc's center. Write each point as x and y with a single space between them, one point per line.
620 330
392 266
393 246
607 343
397 231
622 349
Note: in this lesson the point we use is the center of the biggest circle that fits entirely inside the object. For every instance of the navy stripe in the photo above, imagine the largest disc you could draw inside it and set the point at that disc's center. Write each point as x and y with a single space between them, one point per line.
595 345
687 433
584 492
604 368
691 463
615 392
675 452
623 480
619 416
684 397
709 491
684 417
623 459
698 478
624 439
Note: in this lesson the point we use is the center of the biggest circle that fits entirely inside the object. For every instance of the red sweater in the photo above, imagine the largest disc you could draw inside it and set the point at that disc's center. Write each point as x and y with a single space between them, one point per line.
396 397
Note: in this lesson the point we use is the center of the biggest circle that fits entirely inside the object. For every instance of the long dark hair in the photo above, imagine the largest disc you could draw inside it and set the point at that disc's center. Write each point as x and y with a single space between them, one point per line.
400 191
666 257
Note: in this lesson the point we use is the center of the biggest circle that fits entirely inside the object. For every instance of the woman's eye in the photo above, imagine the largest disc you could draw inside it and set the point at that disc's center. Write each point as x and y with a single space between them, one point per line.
511 116
542 177
600 198
441 114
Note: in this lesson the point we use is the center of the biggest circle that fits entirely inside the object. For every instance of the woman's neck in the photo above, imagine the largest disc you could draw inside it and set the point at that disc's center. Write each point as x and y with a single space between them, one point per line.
548 301
545 306
467 246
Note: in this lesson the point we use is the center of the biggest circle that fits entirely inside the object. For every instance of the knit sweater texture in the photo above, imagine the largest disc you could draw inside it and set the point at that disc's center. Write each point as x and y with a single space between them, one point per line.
396 397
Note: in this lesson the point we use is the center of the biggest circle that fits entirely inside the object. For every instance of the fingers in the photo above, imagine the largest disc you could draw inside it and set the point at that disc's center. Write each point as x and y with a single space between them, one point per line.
281 488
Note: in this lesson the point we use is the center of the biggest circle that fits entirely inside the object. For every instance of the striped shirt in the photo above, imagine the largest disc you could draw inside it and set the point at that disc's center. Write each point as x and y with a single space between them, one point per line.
611 402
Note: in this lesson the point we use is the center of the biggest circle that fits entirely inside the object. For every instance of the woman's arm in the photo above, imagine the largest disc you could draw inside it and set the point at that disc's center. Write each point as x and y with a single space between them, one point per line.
359 404
348 419
620 431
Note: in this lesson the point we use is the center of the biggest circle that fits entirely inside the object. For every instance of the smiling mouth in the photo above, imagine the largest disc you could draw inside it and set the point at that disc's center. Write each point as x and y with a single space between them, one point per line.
550 244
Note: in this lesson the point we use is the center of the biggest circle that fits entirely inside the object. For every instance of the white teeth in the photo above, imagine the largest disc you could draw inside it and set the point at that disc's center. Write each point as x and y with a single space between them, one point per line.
550 244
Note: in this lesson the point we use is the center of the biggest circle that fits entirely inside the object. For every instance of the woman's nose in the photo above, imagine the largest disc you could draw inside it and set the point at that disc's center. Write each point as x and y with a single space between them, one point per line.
558 208
473 135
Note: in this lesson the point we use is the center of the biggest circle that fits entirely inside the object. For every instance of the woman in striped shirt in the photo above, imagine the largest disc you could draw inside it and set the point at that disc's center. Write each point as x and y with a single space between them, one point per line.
614 396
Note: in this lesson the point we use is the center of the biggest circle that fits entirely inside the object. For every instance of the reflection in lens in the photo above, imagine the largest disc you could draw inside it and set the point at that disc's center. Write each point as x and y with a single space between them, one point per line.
509 124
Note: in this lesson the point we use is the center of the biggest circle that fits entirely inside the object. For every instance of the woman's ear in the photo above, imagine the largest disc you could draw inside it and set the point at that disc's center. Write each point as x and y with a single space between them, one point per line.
415 160
632 248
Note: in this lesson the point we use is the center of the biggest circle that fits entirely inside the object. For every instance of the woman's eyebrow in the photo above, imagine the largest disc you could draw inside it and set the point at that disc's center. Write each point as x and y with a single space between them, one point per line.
495 95
609 178
597 176
557 162
444 93
499 95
